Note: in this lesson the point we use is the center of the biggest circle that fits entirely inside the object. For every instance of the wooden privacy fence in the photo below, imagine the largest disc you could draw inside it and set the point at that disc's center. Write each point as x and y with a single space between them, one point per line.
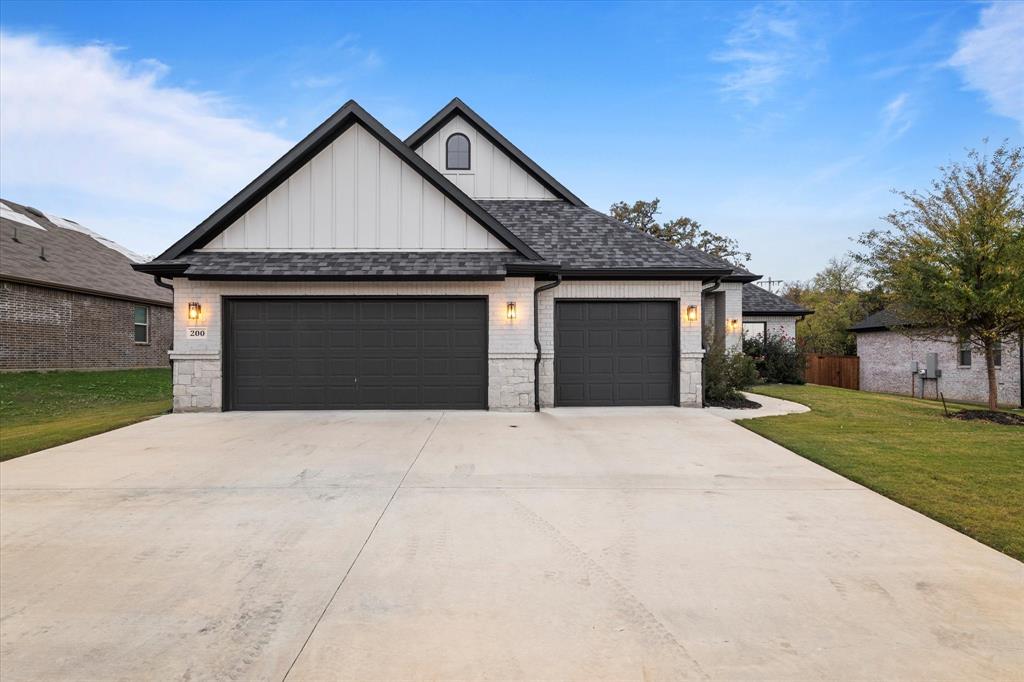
833 370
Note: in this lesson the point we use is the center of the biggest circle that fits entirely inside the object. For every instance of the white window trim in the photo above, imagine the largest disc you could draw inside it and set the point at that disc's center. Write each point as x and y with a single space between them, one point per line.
140 324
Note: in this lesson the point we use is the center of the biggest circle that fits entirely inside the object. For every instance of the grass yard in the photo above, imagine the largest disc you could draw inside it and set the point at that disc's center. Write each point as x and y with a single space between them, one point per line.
39 410
967 475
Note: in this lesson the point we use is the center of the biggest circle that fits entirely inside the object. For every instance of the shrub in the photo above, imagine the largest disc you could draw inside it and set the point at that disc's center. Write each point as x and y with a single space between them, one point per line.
726 372
778 359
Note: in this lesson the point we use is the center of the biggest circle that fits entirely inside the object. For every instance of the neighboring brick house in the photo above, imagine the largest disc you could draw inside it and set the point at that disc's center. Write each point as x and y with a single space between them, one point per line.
69 299
765 313
887 353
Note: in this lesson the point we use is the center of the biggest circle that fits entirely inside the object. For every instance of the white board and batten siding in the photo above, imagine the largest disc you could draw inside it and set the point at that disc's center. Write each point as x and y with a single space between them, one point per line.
356 195
492 173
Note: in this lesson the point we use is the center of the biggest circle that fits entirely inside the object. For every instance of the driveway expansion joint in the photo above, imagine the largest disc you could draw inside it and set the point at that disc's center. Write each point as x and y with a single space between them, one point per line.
363 546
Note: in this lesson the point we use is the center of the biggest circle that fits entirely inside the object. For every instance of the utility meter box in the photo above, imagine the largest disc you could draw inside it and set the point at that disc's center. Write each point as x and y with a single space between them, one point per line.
931 363
915 367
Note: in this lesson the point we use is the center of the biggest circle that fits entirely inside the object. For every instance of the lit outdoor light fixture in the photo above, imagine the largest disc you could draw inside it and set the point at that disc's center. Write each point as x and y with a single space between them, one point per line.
510 310
691 313
194 311
734 325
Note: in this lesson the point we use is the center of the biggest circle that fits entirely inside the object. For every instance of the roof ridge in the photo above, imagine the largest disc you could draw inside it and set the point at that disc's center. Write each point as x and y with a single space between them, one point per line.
304 151
456 107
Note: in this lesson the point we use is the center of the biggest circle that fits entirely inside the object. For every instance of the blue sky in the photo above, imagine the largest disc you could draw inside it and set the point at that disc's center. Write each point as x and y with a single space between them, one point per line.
782 125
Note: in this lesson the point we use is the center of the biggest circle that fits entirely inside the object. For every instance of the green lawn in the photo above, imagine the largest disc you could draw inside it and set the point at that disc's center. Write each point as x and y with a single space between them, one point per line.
967 475
41 409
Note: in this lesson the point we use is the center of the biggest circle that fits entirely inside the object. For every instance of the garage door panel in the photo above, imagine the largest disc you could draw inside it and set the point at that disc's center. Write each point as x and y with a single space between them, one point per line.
356 353
616 352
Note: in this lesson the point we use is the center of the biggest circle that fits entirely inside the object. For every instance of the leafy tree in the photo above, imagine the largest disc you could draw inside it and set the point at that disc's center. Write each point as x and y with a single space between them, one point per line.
642 215
953 260
837 297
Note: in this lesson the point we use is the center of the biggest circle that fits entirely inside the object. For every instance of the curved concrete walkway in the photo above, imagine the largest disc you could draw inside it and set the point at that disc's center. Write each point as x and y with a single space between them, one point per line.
770 407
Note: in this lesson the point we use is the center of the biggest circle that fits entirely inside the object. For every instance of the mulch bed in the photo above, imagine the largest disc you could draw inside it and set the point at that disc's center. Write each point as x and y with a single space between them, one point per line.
734 404
1006 418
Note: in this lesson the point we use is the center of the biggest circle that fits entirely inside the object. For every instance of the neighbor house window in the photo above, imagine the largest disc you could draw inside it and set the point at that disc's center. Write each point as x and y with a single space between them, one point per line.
965 354
458 152
997 351
755 330
141 324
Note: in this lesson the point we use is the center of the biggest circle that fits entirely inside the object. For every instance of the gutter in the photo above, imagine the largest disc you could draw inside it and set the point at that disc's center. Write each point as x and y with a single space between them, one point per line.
536 338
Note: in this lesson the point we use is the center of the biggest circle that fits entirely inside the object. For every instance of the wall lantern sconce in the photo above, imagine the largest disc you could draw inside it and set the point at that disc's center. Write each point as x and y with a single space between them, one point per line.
194 311
734 324
510 310
691 313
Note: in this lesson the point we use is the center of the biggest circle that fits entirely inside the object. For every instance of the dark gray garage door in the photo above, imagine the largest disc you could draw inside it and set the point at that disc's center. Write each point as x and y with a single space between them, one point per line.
616 353
347 353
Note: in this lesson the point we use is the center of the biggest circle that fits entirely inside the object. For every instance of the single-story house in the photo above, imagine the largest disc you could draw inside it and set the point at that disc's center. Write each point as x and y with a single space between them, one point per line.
448 270
766 314
69 298
889 355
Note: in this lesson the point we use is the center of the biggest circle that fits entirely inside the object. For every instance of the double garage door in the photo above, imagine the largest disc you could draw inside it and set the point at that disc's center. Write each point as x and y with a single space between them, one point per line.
431 353
348 353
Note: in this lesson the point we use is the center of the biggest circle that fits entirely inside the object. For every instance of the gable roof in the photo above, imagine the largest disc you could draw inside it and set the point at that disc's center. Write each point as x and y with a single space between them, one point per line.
459 108
588 242
349 114
74 258
758 301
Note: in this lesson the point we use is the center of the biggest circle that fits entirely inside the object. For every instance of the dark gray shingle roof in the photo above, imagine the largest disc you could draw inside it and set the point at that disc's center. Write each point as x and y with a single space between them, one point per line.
350 265
581 238
882 320
758 301
74 260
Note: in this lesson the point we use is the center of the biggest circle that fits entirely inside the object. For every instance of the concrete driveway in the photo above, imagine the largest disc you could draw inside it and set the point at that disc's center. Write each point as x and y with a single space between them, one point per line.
586 544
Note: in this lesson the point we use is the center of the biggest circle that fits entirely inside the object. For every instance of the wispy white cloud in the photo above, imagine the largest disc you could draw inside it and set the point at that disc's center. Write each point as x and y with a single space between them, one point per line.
769 45
897 117
81 121
81 118
990 58
348 58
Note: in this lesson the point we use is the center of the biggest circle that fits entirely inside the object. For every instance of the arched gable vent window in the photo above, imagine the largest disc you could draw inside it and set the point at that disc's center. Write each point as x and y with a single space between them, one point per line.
457 149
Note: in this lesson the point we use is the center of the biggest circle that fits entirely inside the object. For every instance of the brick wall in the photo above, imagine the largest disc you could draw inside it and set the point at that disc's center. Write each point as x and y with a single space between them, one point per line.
776 325
690 353
886 357
43 328
197 362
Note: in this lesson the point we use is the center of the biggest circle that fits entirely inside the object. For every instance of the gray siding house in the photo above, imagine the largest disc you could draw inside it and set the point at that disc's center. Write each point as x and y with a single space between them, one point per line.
69 298
446 270
887 354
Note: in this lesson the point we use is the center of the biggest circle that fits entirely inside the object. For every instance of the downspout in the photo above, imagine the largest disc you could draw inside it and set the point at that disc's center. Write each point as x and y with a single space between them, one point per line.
165 285
536 338
703 344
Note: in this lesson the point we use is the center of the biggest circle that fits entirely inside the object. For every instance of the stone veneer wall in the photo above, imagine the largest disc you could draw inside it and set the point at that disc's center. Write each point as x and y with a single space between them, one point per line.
45 329
691 391
886 357
511 353
197 362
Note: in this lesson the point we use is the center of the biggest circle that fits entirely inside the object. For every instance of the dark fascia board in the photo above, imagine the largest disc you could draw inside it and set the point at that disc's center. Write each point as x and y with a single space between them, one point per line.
87 292
644 273
343 278
779 313
312 145
161 269
459 108
741 278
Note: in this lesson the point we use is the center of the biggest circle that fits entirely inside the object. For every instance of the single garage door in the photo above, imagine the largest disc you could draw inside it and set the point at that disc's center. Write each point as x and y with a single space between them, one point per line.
356 353
616 353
